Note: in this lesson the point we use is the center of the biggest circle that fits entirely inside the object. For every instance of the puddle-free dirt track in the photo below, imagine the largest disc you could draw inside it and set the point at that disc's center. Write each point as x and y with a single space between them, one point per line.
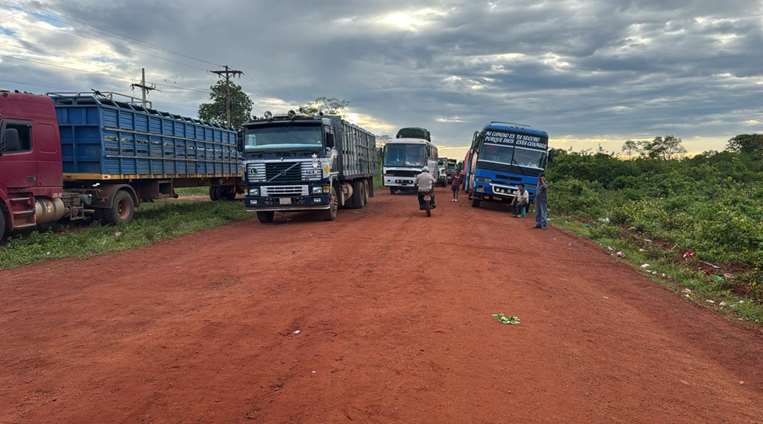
382 316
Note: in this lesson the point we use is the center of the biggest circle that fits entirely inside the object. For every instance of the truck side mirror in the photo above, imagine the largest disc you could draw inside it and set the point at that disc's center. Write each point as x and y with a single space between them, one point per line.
330 140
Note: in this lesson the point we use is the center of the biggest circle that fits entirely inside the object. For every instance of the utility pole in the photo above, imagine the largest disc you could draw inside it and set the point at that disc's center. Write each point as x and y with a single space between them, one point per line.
227 72
144 88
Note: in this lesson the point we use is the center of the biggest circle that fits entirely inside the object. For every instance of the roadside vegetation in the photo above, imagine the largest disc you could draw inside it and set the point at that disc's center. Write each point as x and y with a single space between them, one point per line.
696 223
193 191
153 222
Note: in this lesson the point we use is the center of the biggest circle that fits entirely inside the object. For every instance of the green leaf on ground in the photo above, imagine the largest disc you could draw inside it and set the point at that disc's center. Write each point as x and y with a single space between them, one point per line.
505 319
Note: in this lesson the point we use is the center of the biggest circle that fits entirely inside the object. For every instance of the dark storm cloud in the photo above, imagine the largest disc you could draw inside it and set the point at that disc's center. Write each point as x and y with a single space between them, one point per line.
577 68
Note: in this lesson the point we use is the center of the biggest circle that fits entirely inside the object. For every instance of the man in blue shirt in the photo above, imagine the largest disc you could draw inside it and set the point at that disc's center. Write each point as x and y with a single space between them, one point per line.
541 203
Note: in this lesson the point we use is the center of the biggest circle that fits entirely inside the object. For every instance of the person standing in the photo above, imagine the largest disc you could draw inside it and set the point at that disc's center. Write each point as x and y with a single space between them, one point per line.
455 186
520 202
541 203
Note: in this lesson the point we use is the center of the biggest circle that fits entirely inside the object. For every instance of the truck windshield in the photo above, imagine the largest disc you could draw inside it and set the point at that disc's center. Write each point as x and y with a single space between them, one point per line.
526 158
405 155
284 135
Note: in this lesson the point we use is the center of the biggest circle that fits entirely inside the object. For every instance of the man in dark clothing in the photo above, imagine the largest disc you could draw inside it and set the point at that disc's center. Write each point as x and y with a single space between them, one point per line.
541 203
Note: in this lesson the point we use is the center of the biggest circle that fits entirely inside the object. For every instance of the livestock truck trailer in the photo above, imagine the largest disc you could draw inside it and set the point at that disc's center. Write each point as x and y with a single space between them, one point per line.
80 155
307 163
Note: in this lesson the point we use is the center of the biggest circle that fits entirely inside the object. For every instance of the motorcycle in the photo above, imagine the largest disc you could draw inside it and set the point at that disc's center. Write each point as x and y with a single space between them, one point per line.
426 202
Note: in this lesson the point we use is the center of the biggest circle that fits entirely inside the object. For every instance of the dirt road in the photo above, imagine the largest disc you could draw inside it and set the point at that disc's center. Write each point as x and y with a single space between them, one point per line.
383 316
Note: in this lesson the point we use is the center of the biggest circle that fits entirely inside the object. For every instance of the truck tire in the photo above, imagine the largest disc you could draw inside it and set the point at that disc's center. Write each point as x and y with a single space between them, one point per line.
330 214
475 203
122 209
370 187
265 217
365 193
214 193
356 201
392 191
2 225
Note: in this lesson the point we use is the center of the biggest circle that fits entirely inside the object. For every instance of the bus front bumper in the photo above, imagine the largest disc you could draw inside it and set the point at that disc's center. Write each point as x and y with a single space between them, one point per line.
394 181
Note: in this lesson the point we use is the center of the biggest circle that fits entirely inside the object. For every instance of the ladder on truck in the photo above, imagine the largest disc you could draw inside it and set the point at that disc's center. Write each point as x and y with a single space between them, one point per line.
22 210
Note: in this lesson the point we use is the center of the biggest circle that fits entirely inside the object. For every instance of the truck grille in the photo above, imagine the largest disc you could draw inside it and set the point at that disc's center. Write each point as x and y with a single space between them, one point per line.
402 173
293 175
284 190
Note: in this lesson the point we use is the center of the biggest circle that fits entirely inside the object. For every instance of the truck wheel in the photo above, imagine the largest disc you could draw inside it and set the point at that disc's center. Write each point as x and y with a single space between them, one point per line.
122 209
330 214
265 217
214 193
365 193
392 191
475 203
370 187
356 201
2 225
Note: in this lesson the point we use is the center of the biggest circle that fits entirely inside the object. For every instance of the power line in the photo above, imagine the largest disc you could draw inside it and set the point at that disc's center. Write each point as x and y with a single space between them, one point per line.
133 39
68 68
100 74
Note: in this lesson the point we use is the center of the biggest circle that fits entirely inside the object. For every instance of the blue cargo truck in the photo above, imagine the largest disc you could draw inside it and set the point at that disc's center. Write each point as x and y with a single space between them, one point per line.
307 163
80 155
502 156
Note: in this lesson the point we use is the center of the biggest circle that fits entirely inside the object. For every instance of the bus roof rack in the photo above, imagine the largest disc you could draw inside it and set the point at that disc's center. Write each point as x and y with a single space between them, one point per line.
516 124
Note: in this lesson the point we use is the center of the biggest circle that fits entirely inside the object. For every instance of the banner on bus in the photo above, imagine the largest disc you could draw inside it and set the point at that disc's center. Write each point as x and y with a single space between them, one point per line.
513 139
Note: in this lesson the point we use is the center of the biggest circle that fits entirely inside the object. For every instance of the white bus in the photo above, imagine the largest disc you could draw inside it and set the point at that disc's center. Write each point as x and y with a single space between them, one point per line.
404 158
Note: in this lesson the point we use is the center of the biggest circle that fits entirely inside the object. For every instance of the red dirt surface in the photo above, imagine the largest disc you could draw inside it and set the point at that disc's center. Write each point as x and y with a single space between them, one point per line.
381 317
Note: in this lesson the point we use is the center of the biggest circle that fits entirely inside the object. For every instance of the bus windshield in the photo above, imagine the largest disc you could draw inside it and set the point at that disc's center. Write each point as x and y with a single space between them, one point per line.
405 155
510 155
528 158
284 135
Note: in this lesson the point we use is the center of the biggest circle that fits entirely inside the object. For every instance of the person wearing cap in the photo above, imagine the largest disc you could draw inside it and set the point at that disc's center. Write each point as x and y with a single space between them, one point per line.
425 183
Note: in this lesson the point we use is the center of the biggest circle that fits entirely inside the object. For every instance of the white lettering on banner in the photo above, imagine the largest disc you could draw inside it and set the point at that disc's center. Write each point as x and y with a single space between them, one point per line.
499 137
521 140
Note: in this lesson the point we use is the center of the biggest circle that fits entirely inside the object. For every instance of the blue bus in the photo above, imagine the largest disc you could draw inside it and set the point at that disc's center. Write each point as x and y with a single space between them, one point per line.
502 156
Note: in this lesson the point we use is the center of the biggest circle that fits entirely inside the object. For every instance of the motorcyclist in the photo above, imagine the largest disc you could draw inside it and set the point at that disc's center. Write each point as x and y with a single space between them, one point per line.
425 183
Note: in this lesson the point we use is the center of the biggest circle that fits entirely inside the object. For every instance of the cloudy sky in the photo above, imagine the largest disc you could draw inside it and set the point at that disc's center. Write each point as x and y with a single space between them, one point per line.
590 72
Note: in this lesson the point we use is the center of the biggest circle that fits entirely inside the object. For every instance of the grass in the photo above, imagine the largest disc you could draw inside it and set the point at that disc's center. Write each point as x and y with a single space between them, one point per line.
193 191
665 269
153 222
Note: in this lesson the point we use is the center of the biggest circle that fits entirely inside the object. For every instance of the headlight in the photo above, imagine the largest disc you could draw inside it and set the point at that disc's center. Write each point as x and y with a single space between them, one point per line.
317 190
254 191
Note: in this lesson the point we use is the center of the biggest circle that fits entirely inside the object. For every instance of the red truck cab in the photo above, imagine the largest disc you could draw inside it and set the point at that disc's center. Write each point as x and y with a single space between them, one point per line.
30 157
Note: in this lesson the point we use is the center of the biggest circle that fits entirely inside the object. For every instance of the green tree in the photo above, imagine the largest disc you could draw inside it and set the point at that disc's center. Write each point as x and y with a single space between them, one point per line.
664 148
746 143
215 111
631 146
327 105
